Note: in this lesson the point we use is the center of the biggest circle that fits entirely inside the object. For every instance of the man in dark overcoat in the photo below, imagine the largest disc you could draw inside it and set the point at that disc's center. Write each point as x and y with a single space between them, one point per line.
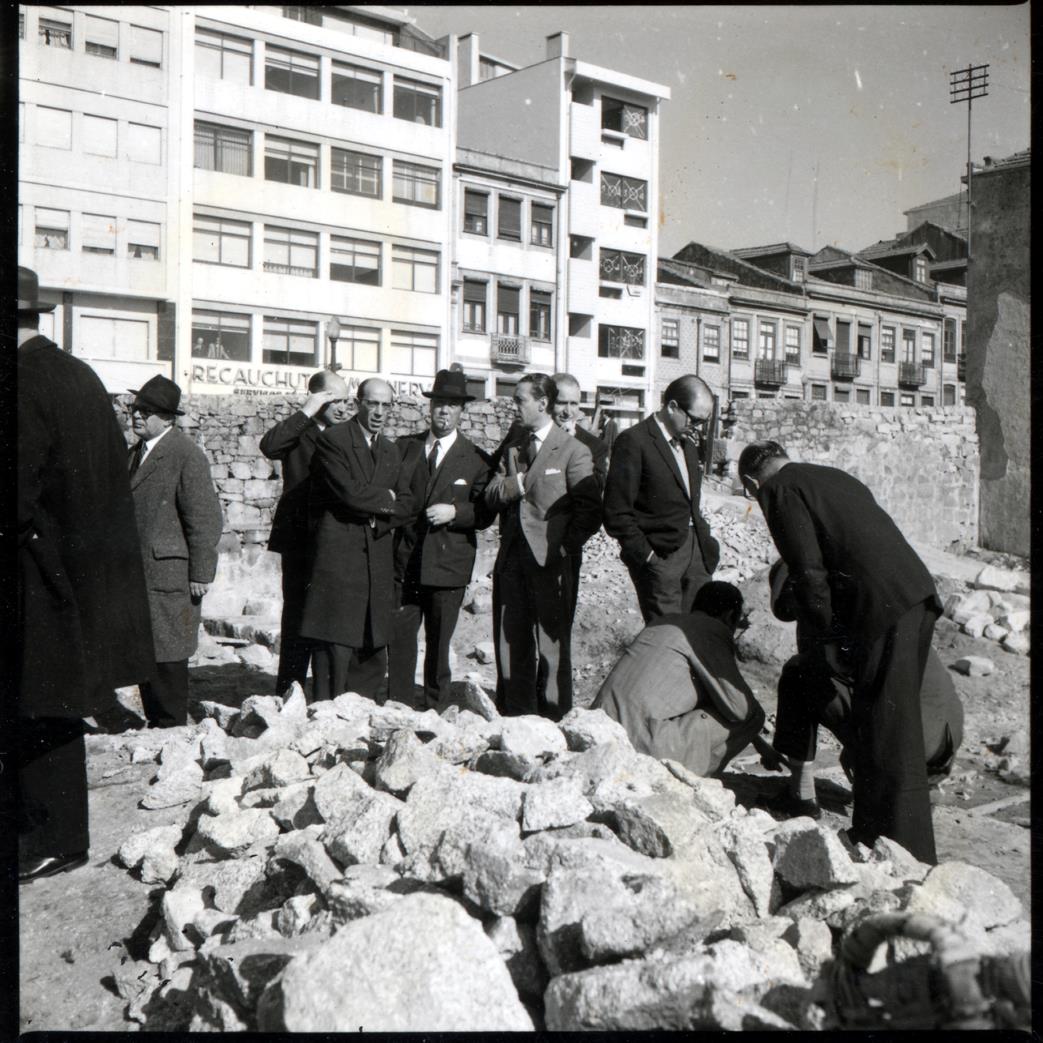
179 525
435 554
292 443
360 492
652 501
865 597
82 609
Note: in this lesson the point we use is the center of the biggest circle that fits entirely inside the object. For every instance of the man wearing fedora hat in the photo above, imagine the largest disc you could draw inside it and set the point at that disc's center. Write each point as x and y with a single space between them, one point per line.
82 621
434 555
179 524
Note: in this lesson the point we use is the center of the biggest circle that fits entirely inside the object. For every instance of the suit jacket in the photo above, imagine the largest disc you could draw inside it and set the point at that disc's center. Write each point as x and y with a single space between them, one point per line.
560 508
292 443
351 592
83 625
853 573
443 556
646 506
598 451
179 524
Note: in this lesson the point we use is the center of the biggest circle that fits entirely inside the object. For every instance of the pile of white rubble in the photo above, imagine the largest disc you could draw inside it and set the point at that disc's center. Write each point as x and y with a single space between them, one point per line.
997 608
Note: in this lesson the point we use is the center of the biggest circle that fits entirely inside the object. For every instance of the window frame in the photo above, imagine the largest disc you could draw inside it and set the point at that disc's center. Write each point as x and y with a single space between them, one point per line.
473 308
711 352
626 189
100 49
623 259
278 236
670 347
406 89
472 216
888 344
764 343
504 204
137 49
609 332
503 317
351 169
228 44
541 232
343 246
398 344
792 353
289 61
818 393
541 307
59 229
928 348
294 149
621 108
409 173
864 339
224 136
289 322
227 229
235 327
416 261
740 353
348 71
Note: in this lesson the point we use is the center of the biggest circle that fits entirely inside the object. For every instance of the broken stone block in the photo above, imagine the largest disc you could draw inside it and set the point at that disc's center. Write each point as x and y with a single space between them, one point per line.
737 967
178 908
811 856
337 791
362 830
404 760
516 943
975 626
258 712
159 865
232 833
258 658
1018 643
746 847
224 715
278 769
1016 621
963 893
295 703
392 853
530 736
303 848
974 603
903 865
136 847
206 924
709 795
460 745
557 802
258 925
584 728
660 825
179 788
296 914
423 965
222 795
992 578
484 652
392 717
974 666
364 890
994 632
813 941
505 765
760 933
295 808
213 748
495 876
469 694
232 886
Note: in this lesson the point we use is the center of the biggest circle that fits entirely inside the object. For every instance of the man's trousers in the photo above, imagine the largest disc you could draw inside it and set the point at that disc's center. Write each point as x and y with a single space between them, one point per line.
665 586
336 669
294 650
165 696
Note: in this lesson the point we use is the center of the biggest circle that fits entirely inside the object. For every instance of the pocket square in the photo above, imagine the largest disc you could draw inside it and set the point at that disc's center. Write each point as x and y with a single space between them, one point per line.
552 470
460 481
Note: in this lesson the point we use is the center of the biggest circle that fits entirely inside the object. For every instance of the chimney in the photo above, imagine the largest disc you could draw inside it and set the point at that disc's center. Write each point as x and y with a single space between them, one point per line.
467 71
558 45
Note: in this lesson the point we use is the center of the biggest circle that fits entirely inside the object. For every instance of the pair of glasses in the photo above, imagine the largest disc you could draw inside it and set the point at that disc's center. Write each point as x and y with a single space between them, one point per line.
744 621
143 413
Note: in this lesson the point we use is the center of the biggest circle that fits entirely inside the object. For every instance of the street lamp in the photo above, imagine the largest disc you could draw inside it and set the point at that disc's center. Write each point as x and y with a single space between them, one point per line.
333 332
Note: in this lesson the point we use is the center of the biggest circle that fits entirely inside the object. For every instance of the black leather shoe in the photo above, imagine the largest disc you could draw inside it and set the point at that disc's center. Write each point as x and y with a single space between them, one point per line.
50 865
790 806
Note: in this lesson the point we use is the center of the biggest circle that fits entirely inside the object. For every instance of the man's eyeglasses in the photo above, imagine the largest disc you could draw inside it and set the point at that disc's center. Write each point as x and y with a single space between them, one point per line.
744 621
142 412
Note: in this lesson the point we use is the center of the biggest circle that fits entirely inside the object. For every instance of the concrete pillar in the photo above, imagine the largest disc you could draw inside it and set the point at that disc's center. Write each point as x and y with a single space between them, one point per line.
558 45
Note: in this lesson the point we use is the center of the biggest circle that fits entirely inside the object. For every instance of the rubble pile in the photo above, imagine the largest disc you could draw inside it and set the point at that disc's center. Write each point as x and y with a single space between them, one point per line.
346 866
995 607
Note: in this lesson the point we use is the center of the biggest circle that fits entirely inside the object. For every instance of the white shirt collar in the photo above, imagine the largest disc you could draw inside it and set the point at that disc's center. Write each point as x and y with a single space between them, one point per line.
150 443
446 441
541 435
666 434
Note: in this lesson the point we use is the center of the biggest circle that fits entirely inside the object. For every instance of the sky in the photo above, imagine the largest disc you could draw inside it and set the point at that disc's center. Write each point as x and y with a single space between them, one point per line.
817 124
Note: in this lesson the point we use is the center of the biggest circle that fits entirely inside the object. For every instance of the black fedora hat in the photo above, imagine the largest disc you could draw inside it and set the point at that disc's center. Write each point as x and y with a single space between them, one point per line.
29 292
160 394
450 383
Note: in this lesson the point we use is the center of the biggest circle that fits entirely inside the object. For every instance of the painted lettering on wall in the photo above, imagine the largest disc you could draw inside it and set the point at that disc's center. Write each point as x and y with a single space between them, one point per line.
256 381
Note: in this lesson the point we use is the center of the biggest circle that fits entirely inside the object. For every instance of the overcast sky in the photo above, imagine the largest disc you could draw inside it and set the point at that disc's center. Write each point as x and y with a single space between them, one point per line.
765 96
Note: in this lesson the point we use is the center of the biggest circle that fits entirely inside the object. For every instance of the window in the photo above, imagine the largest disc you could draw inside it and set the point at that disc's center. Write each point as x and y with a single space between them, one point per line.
620 342
865 341
507 309
863 279
927 350
413 269
357 88
740 395
927 400
843 337
616 266
949 342
542 225
288 251
310 15
144 143
99 136
146 46
98 234
841 395
413 353
818 392
625 193
357 173
766 339
793 345
712 343
740 338
862 396
418 102
887 398
102 336
143 240
289 342
52 229
355 260
21 25
623 118
216 240
358 347
415 185
908 345
55 28
539 315
226 149
949 395
220 335
920 269
291 72
53 127
291 162
474 306
907 399
887 344
508 219
101 37
821 335
670 338
476 212
223 57
798 269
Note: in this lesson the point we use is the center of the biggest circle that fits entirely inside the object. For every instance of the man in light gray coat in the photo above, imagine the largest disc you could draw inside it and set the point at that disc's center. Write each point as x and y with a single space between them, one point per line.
179 523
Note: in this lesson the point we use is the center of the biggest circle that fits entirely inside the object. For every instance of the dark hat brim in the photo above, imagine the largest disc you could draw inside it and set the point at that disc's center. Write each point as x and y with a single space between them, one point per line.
456 396
37 306
157 406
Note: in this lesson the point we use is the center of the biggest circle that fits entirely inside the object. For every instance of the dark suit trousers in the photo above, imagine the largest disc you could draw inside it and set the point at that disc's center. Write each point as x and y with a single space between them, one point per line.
532 632
439 609
52 784
294 650
891 795
165 697
668 585
336 669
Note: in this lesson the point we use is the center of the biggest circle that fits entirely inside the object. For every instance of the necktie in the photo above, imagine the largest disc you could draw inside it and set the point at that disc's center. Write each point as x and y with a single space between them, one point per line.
432 460
675 443
529 450
373 448
136 457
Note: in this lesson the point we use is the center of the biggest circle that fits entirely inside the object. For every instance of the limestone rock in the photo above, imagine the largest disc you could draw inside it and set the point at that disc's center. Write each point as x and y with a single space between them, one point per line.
994 632
557 802
259 658
484 652
179 788
1016 621
295 703
660 824
992 578
179 906
257 713
159 865
902 864
364 889
585 728
964 893
813 941
234 886
530 736
709 794
975 626
337 791
295 807
303 848
973 666
516 943
404 760
176 755
296 914
811 856
504 765
136 847
279 769
470 695
360 833
232 833
423 965
746 847
495 876
460 745
1017 643
222 795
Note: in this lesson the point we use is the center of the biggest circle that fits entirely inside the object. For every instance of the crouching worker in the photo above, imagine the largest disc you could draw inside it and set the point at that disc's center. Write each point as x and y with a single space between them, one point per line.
810 695
677 689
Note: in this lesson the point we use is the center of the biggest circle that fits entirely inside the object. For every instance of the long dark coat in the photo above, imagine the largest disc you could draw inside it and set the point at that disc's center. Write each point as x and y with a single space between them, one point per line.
83 612
350 595
179 522
292 443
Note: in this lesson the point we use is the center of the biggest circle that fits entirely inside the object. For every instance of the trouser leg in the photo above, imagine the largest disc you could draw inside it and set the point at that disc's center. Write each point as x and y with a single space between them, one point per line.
294 650
660 583
806 697
367 673
513 629
441 608
165 697
695 576
551 598
330 667
402 649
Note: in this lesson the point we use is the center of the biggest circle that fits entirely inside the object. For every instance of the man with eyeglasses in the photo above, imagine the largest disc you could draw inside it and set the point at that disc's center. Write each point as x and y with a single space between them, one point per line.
652 501
677 689
292 443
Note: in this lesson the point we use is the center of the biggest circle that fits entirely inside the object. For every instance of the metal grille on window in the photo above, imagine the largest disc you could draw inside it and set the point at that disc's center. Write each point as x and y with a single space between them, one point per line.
624 343
290 252
625 193
635 121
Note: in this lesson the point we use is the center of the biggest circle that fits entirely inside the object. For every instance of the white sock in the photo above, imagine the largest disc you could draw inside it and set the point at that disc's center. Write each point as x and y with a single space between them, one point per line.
802 781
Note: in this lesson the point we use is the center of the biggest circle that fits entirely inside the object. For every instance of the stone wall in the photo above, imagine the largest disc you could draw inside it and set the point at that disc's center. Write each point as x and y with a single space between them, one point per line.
921 464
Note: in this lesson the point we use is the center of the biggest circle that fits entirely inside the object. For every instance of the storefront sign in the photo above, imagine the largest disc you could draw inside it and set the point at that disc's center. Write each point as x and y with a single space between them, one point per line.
222 378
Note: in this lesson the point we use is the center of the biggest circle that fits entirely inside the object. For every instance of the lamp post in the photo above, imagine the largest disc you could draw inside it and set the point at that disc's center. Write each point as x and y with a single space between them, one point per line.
333 332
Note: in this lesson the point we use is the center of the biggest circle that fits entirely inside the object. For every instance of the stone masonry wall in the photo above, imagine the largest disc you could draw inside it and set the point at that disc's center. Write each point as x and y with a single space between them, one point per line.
921 464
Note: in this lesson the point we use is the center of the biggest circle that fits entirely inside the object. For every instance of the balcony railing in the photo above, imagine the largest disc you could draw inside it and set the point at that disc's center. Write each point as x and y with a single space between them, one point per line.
509 347
910 374
289 269
845 365
769 372
961 366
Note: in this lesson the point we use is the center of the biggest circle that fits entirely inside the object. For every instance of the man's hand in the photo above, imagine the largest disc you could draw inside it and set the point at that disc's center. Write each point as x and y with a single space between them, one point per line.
440 513
836 660
317 400
197 590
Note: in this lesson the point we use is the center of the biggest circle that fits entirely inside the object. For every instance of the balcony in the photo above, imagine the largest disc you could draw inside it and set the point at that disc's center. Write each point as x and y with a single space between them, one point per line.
845 366
289 269
769 372
510 348
961 366
910 374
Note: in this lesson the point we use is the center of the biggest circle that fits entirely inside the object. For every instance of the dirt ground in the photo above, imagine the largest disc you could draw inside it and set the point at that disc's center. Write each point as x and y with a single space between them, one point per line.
77 930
